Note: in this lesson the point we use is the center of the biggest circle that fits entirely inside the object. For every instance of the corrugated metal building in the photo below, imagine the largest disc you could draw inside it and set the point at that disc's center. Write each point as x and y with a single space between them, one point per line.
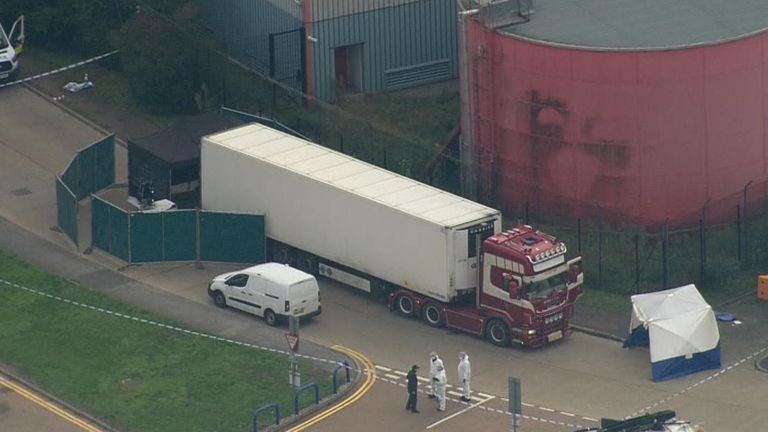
329 47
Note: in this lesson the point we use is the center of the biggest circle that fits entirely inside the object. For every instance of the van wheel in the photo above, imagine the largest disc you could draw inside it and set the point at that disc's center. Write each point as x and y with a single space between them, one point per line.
405 305
219 299
432 314
497 332
270 318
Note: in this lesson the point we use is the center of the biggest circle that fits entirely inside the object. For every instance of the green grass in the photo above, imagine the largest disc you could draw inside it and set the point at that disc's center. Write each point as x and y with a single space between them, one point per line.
110 87
134 376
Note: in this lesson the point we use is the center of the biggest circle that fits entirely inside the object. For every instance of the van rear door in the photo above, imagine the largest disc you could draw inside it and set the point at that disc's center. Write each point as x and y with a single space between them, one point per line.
16 35
304 297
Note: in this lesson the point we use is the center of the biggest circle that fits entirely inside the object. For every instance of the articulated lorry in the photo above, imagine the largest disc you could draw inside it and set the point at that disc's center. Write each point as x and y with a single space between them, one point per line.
428 253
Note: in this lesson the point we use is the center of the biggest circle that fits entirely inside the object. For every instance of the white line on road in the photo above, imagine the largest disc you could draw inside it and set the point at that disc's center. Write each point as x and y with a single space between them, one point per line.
383 368
459 413
401 373
392 377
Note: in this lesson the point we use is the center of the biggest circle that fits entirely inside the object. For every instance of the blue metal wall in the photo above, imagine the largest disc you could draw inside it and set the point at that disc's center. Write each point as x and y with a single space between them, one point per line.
402 43
402 46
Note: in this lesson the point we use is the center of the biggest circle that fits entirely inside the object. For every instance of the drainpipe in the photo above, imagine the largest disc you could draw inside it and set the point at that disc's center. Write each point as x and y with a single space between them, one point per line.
466 157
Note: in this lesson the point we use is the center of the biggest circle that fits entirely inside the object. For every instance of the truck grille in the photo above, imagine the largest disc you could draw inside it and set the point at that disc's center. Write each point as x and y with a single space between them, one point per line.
5 66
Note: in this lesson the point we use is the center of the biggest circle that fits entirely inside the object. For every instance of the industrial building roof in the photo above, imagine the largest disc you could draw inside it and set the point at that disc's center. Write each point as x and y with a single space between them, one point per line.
639 25
352 175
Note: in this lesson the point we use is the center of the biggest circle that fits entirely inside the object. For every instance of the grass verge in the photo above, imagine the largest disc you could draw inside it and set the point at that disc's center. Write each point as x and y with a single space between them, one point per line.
135 377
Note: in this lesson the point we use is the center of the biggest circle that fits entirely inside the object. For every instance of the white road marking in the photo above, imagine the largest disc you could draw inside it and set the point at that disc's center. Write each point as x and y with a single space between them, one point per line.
384 368
459 413
392 377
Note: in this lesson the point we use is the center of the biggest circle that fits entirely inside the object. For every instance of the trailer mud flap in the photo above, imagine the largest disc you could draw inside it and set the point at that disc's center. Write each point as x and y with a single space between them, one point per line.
465 322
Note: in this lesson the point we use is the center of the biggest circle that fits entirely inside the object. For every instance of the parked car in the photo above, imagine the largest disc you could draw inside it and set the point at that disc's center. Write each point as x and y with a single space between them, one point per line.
272 290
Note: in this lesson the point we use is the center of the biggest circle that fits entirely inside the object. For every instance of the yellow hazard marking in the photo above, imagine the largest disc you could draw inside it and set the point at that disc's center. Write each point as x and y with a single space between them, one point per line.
47 405
370 379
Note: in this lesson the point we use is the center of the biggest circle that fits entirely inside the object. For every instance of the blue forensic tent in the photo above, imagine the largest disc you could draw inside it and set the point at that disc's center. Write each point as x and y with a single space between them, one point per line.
679 327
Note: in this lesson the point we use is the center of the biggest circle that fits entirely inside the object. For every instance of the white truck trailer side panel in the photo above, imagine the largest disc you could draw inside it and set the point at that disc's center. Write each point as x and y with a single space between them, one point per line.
337 207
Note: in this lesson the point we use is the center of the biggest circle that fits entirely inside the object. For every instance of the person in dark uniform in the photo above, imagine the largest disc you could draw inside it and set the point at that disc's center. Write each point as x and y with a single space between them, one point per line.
413 386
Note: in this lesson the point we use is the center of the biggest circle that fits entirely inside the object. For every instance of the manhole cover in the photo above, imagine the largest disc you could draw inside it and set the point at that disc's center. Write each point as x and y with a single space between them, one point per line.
21 192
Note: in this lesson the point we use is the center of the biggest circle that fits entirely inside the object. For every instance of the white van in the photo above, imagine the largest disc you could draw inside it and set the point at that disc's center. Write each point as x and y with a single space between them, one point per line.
11 45
268 290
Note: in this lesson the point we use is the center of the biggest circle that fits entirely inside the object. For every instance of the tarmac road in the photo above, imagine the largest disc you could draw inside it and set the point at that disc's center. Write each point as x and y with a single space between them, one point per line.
582 377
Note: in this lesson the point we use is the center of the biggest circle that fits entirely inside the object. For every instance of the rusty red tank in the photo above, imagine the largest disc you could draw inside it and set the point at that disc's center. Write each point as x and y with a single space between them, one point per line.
639 110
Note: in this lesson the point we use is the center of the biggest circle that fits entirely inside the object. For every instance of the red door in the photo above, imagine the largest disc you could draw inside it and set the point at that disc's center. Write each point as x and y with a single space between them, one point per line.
342 73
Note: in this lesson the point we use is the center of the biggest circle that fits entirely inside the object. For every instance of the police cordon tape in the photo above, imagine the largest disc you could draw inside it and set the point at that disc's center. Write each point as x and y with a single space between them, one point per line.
61 69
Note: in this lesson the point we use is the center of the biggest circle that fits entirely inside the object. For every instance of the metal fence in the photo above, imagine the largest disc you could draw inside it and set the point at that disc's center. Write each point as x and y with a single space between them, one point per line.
721 252
92 169
178 235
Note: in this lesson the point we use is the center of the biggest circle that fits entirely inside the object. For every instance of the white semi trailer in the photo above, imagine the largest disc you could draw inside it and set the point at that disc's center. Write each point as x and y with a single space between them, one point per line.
418 246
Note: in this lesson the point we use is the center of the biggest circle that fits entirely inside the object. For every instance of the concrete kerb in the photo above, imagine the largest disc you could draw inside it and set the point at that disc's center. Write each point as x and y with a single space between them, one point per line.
326 402
4 371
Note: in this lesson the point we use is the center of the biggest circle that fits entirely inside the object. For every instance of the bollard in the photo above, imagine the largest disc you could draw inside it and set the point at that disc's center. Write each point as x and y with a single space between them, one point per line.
262 409
301 390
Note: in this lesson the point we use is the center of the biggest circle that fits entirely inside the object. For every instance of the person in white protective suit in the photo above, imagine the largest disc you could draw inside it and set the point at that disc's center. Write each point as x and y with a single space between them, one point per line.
439 383
465 375
434 361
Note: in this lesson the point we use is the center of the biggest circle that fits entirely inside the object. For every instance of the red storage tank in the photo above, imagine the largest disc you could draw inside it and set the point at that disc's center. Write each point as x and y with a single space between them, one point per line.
644 110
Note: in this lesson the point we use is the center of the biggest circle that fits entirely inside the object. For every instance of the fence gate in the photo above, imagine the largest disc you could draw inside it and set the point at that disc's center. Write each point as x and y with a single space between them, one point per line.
287 58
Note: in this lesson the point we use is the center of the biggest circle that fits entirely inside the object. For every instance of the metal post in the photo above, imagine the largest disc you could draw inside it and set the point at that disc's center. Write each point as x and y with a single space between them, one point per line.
466 148
637 263
664 254
578 233
599 248
738 230
515 402
746 230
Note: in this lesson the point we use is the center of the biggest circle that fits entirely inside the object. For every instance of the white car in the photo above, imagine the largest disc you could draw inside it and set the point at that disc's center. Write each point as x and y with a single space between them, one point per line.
270 290
11 45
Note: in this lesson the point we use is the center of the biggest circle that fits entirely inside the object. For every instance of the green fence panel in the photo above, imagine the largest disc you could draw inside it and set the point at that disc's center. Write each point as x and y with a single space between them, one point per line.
179 234
232 237
100 232
104 172
86 169
69 177
146 237
118 226
66 210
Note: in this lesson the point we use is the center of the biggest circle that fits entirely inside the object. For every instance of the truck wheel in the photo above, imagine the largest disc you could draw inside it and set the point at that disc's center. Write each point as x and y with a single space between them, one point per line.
432 314
497 332
405 305
270 318
219 299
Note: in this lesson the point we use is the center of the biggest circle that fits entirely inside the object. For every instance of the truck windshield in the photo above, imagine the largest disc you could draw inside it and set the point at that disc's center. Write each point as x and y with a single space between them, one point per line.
545 288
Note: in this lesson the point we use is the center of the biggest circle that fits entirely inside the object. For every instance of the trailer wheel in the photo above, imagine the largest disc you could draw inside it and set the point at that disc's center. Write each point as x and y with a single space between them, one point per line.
432 314
307 263
282 254
497 332
405 305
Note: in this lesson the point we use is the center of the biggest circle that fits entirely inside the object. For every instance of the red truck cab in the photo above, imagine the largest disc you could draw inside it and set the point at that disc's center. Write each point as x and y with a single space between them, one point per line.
526 292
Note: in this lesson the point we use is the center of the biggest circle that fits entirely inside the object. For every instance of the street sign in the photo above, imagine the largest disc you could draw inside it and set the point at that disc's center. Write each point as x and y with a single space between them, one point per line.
293 342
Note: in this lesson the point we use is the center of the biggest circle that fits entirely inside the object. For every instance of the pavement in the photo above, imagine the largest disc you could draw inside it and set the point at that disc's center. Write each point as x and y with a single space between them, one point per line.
29 163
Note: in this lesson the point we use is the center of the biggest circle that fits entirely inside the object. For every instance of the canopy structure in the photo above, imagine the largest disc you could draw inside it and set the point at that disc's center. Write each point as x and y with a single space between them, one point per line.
679 327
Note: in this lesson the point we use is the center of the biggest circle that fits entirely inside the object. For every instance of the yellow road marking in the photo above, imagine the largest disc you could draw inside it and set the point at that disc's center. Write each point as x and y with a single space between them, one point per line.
50 407
370 379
